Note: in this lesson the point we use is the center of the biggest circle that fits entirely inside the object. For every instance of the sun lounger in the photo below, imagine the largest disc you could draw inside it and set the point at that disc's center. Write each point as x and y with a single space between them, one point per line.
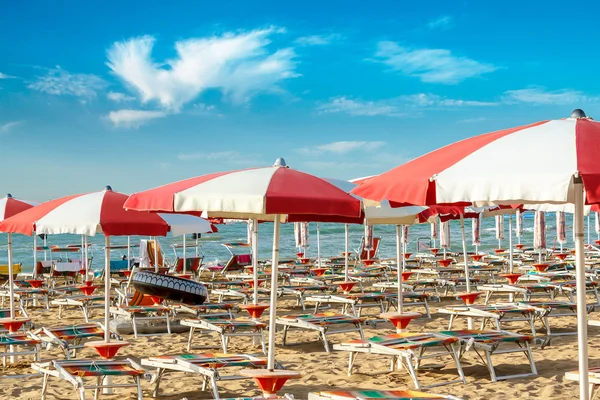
593 376
408 350
209 366
410 299
526 291
300 292
552 309
25 295
19 344
322 323
493 313
136 314
83 302
355 301
373 394
74 372
488 343
71 338
226 309
227 328
243 294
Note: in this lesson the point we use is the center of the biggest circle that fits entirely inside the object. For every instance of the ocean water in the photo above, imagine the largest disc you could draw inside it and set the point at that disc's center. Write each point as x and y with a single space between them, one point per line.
332 240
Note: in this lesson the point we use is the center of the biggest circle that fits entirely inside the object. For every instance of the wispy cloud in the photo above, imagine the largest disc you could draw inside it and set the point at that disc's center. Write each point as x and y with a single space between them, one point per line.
538 95
343 147
7 127
133 118
317 40
442 22
430 65
360 108
119 97
434 100
4 76
238 64
224 157
471 120
59 82
402 106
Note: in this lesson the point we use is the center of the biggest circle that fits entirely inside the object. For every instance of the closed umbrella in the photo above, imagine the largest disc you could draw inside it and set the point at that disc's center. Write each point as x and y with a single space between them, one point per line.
476 232
519 226
499 229
561 228
445 236
539 232
434 232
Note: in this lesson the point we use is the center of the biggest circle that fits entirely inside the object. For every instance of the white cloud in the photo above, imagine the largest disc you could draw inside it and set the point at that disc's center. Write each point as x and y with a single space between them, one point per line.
119 97
60 82
7 127
360 108
4 76
133 118
471 120
238 64
402 106
539 95
429 99
204 107
441 22
430 65
342 147
317 40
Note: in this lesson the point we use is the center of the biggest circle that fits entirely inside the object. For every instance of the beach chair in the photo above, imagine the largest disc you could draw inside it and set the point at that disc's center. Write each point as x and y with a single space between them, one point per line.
19 344
138 313
526 291
322 323
372 254
373 394
147 254
70 338
593 376
44 268
496 314
25 295
208 365
409 299
408 350
354 301
244 294
223 310
17 269
489 343
226 329
74 372
85 303
67 270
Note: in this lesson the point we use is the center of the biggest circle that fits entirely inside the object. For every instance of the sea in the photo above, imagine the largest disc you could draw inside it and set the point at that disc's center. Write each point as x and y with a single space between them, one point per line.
332 240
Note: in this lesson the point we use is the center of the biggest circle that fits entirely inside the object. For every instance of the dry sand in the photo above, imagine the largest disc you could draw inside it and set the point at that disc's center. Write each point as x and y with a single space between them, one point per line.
322 371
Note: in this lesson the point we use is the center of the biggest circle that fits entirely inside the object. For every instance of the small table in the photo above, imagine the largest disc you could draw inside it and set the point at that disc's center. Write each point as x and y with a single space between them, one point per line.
270 381
107 350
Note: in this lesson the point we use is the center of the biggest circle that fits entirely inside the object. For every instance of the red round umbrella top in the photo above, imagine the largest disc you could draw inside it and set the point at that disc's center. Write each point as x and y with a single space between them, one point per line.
10 206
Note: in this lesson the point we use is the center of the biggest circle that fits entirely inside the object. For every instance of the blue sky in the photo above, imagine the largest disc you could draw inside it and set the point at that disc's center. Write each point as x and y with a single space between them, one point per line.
138 94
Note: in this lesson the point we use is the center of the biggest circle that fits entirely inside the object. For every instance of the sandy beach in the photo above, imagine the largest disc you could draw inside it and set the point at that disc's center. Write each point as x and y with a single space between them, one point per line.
322 371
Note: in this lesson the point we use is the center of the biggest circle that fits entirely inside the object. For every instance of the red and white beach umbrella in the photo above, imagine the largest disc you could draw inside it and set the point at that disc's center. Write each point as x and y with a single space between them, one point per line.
499 229
519 225
268 193
485 169
561 228
476 231
445 234
10 206
539 231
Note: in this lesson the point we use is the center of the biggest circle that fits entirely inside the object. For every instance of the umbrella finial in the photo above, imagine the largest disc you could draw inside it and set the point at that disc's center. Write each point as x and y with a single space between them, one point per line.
8 196
108 188
578 113
280 162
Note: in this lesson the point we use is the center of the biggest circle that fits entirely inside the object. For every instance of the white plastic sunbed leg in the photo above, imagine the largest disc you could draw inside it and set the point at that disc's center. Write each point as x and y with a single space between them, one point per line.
45 385
189 344
351 360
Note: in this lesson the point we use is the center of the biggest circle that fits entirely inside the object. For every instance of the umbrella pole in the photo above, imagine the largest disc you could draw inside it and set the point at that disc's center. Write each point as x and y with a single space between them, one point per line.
399 267
581 293
510 245
156 254
34 256
467 280
273 306
184 256
128 252
255 259
318 246
11 289
346 252
107 289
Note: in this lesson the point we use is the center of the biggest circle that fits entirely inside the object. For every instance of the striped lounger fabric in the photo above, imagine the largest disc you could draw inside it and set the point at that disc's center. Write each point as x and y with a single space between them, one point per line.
377 394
